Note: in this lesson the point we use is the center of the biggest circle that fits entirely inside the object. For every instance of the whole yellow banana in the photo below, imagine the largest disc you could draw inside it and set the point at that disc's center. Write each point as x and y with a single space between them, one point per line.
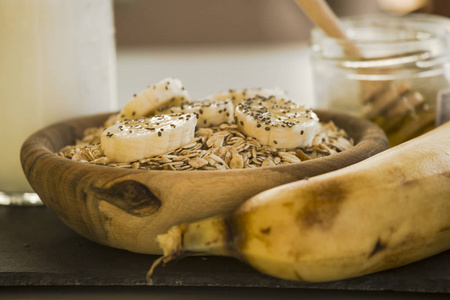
384 212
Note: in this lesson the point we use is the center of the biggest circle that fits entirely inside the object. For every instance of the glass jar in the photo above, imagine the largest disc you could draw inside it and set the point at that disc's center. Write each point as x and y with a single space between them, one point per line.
391 70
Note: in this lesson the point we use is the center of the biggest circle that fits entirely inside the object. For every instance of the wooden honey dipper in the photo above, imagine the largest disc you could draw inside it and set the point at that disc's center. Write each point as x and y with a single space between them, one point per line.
387 103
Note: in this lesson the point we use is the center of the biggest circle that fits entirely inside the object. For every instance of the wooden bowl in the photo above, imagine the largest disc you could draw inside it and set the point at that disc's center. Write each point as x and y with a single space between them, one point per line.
128 208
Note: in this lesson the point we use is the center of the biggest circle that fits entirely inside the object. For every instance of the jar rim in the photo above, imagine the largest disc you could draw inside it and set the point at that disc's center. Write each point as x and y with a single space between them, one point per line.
439 24
386 40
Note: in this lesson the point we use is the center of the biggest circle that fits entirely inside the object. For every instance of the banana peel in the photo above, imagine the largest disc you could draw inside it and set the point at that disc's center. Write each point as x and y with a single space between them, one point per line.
387 211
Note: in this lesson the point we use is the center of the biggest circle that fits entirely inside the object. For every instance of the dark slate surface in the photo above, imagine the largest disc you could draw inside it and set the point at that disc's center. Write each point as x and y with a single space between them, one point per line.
36 249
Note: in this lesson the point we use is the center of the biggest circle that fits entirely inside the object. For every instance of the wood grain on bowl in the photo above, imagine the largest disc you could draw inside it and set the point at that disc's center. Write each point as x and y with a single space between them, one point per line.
128 208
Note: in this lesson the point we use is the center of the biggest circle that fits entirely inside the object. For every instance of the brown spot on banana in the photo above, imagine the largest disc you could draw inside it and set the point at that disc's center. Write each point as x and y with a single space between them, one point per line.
265 230
322 205
297 275
235 235
444 229
130 196
288 204
211 242
379 246
397 253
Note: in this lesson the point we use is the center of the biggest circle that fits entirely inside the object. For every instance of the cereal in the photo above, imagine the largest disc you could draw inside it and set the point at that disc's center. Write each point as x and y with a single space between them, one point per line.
218 148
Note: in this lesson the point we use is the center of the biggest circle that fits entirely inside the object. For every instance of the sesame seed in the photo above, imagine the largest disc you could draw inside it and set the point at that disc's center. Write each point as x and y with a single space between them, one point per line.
159 133
267 128
301 132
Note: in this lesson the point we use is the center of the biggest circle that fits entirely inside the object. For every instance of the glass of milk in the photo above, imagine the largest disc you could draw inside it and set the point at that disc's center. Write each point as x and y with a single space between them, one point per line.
57 61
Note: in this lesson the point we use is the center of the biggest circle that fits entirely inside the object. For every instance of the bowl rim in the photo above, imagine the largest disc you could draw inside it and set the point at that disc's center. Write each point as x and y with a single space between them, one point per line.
363 143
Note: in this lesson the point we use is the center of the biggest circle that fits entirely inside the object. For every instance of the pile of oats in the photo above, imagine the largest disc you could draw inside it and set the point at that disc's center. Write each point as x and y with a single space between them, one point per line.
216 148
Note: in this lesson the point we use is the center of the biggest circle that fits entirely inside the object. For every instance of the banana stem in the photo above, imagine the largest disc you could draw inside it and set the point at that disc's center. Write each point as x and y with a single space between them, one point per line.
206 236
164 260
170 242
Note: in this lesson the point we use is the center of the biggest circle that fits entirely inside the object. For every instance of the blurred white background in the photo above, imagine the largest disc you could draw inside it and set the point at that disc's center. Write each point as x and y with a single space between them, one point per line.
215 45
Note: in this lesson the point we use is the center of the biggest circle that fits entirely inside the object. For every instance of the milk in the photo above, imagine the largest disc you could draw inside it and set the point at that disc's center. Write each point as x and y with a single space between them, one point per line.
57 60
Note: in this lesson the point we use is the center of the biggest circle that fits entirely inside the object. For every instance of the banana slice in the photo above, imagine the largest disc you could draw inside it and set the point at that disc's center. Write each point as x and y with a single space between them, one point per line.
136 139
166 91
237 96
211 112
277 122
